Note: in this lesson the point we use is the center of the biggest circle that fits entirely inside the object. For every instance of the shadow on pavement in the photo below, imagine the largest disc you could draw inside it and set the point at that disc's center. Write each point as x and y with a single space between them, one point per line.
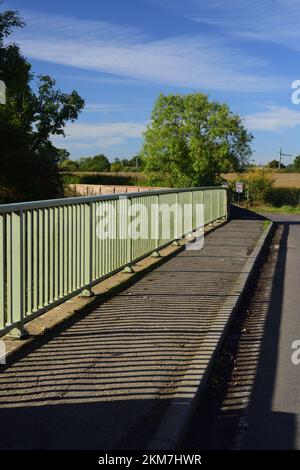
267 429
237 212
236 412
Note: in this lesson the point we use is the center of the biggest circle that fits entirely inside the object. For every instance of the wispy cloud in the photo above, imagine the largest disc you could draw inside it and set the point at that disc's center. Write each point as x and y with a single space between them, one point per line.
105 108
195 62
275 21
274 118
101 136
97 78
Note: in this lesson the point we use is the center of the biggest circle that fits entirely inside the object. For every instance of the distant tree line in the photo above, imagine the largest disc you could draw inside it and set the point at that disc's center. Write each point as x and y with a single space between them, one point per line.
99 163
294 166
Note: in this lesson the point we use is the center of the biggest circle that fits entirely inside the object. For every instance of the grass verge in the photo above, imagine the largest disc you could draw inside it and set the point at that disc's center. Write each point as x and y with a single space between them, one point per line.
280 210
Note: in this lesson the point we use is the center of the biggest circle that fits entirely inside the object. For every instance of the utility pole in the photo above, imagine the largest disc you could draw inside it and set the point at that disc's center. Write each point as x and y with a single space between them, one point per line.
281 154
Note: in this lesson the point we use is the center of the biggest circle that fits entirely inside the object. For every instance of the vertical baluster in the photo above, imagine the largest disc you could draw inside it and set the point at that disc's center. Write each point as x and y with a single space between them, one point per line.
56 234
2 271
62 252
88 247
65 249
51 237
41 241
29 259
9 278
45 279
35 254
17 273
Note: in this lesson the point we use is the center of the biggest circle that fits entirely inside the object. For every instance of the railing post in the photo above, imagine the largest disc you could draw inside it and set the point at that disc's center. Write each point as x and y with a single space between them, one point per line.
156 253
192 205
210 207
17 281
190 235
128 268
176 221
88 249
226 204
2 272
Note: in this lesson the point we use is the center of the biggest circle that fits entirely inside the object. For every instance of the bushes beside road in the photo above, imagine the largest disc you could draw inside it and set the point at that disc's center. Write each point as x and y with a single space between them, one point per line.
278 197
259 189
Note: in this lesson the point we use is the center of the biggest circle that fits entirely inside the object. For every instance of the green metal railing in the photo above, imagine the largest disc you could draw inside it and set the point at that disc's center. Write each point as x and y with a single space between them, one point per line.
50 251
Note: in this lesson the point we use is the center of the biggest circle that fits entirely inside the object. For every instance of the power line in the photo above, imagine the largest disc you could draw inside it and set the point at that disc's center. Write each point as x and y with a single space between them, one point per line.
283 155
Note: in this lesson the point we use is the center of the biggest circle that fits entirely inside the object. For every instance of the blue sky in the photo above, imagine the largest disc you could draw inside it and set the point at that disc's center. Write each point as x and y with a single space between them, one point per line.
120 54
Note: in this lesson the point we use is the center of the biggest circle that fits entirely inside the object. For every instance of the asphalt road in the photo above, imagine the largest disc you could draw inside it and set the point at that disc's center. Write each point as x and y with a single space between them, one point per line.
261 406
279 426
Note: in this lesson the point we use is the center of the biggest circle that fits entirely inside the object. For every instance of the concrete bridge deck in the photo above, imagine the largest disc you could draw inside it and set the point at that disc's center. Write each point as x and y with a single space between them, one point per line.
106 381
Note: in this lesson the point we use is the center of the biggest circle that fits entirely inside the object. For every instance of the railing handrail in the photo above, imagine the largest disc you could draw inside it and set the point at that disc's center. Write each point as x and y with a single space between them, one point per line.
43 204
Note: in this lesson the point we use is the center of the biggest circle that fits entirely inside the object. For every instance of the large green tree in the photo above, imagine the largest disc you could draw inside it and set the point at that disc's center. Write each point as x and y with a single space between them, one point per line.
28 120
191 140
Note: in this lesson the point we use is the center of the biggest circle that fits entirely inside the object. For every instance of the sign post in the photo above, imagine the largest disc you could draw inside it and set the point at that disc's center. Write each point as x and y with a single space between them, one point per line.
239 189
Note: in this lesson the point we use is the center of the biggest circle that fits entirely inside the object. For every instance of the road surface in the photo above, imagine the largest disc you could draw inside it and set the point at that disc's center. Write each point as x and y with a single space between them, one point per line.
261 406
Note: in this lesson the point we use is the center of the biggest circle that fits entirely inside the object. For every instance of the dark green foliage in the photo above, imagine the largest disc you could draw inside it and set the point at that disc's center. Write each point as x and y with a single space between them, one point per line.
69 165
297 163
70 178
28 159
100 163
289 169
63 155
125 165
274 164
109 179
282 197
96 163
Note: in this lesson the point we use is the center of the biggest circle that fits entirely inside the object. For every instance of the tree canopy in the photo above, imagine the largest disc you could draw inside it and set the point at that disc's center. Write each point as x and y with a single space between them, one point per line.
97 163
274 164
297 162
191 140
28 120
